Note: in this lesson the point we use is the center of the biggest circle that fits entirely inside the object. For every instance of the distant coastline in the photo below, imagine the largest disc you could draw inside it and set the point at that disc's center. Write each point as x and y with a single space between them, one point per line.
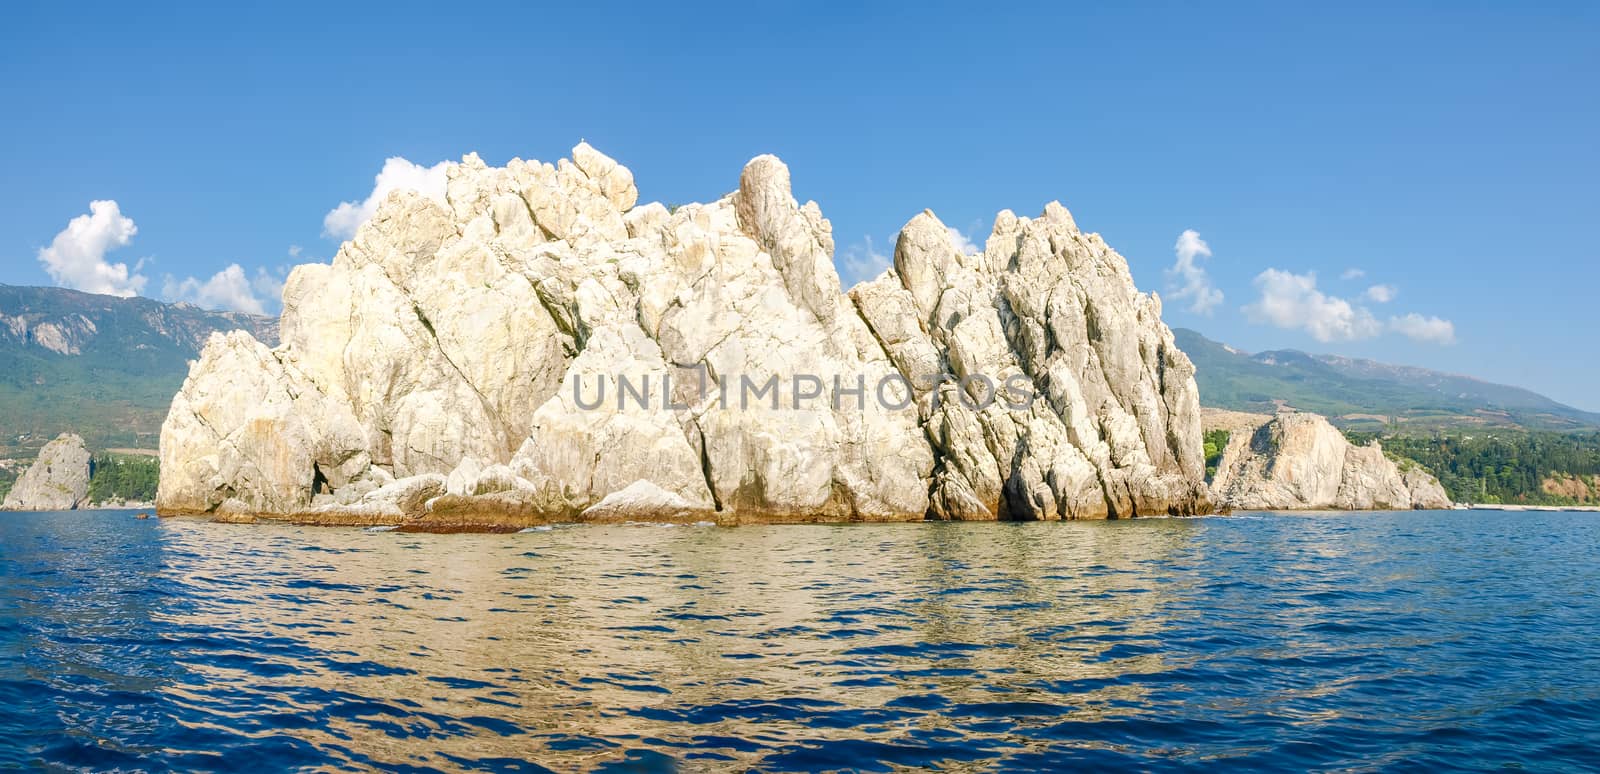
1516 507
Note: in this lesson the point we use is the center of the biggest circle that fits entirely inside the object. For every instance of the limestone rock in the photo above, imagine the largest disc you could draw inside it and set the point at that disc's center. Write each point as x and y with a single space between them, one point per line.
1051 388
645 501
538 347
1426 491
387 505
58 480
1298 460
248 426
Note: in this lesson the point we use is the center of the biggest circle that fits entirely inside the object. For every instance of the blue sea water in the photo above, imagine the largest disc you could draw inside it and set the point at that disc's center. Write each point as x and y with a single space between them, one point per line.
1395 641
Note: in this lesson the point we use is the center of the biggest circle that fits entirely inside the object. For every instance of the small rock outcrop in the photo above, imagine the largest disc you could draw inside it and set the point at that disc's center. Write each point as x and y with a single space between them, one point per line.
1300 461
57 481
537 347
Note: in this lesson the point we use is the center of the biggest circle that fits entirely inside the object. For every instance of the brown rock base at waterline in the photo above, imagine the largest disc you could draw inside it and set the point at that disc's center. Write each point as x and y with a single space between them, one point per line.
457 518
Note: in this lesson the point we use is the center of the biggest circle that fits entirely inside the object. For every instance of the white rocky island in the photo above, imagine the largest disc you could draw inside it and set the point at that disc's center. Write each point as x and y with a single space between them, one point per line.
1300 461
445 371
57 481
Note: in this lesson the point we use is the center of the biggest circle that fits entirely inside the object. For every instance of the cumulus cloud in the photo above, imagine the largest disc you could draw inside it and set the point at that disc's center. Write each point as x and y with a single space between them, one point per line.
1431 330
1381 294
862 262
962 243
1292 301
230 289
397 174
1187 279
227 289
76 258
268 286
1352 274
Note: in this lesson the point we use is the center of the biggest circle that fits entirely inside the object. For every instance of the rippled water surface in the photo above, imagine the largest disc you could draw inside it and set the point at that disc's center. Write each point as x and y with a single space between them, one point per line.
1421 641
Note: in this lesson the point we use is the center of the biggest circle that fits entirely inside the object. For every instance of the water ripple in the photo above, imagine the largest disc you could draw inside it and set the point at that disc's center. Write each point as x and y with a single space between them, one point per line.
1453 641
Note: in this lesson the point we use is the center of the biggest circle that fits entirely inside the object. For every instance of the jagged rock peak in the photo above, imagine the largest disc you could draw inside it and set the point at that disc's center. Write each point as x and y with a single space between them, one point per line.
538 347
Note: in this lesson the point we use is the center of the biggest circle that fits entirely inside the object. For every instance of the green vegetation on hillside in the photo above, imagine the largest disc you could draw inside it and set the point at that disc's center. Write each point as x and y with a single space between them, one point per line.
43 394
1503 466
1216 442
124 477
105 368
1364 395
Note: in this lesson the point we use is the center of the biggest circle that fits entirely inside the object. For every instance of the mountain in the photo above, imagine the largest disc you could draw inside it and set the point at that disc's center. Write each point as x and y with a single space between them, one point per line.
99 366
1363 394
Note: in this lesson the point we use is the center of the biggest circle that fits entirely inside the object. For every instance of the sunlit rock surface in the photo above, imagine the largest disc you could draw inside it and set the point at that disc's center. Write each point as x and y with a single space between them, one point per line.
1298 460
58 480
462 366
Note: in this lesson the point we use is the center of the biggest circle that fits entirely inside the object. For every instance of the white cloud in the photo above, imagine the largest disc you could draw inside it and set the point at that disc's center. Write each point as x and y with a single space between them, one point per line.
397 174
227 289
76 258
1188 279
1381 294
962 243
1292 301
295 251
1352 274
230 289
862 262
1425 329
268 285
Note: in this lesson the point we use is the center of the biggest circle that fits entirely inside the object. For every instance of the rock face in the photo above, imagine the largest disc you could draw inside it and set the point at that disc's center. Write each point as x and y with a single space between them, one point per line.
57 481
1114 428
538 348
1297 461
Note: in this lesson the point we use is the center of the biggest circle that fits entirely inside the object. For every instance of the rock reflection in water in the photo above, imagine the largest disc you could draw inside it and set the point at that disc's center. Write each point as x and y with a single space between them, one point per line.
1426 640
575 644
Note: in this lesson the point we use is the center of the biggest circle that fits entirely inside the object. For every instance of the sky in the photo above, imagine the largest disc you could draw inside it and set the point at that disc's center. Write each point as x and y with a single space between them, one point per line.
1417 183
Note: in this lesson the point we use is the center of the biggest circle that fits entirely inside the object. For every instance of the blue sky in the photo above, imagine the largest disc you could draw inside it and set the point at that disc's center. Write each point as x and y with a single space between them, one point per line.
1447 151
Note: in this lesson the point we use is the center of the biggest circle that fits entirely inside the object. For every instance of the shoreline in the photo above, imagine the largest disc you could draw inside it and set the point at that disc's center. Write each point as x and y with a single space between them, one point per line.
1513 507
485 526
146 507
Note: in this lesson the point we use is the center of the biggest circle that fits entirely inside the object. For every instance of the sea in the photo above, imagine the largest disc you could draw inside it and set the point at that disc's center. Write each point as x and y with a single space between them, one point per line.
1417 641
